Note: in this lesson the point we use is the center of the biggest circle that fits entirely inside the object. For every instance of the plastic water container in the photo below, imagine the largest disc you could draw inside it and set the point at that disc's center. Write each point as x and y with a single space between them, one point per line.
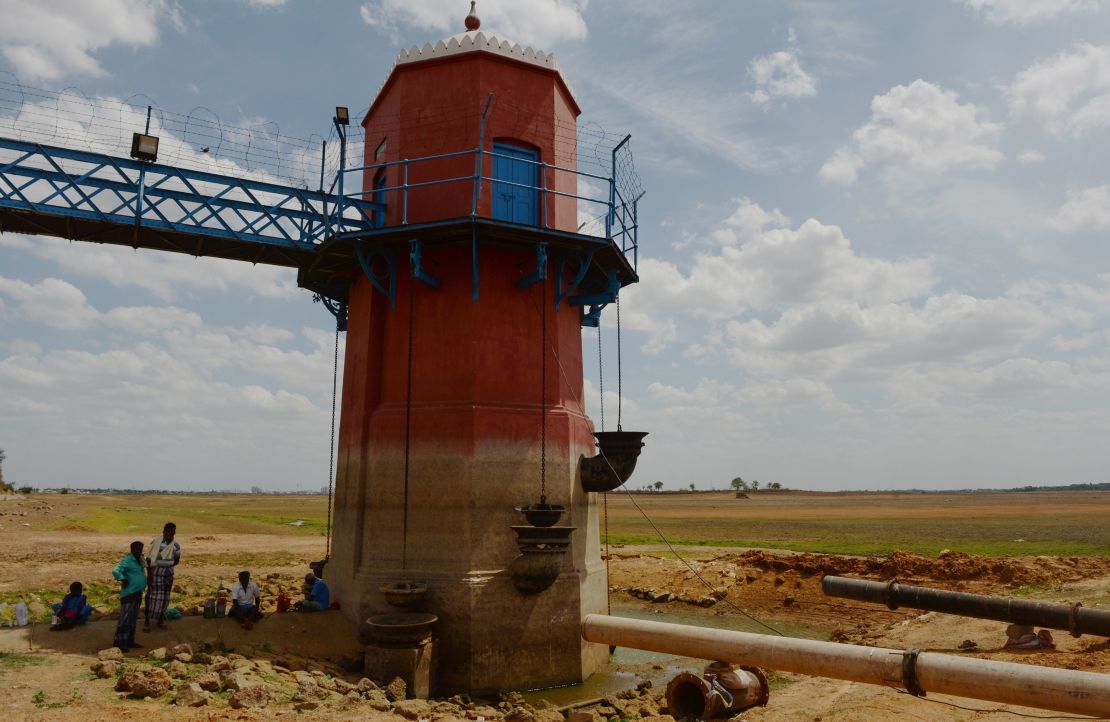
221 606
210 608
21 614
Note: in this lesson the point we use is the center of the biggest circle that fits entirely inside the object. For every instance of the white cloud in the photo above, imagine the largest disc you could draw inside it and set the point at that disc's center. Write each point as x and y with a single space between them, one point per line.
1023 12
266 3
54 302
763 264
540 23
826 339
150 320
1087 210
159 379
918 130
780 75
1068 92
1030 157
49 39
165 275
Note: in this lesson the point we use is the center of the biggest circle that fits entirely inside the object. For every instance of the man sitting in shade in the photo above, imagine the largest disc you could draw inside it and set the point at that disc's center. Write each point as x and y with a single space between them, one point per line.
316 595
245 599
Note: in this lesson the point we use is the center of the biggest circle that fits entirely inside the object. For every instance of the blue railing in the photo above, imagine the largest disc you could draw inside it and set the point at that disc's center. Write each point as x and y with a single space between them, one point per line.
616 219
97 187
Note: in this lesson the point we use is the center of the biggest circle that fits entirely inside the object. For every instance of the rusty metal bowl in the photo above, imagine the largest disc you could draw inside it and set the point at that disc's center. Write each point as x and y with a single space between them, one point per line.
542 514
404 595
402 629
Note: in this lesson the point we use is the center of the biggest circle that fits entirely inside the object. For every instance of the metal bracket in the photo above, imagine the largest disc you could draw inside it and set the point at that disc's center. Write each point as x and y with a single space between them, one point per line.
909 673
418 271
366 261
609 295
335 308
584 262
541 268
888 594
592 318
1073 620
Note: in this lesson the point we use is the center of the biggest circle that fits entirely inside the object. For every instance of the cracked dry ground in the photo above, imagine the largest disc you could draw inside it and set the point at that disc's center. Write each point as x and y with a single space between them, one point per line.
780 588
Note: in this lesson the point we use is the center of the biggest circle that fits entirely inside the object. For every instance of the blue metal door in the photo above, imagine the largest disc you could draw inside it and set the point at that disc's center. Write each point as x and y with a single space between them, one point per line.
518 202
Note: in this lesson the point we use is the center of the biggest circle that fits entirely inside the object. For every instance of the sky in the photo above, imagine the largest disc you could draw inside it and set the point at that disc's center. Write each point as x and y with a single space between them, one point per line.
873 246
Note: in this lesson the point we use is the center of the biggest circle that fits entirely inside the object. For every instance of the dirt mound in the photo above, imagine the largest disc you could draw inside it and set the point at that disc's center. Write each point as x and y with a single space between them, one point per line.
75 527
948 566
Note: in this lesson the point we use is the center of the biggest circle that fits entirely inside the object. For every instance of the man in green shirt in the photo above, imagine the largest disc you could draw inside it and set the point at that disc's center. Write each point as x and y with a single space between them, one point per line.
131 575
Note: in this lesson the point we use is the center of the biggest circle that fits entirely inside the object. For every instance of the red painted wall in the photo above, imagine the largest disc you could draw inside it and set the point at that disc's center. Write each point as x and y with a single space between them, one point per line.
466 355
435 106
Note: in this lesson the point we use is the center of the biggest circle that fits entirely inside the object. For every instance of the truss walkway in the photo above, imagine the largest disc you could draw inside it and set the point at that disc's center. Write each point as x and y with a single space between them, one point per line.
89 196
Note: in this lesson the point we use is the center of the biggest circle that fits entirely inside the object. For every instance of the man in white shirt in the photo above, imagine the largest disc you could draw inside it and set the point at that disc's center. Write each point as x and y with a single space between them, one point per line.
245 598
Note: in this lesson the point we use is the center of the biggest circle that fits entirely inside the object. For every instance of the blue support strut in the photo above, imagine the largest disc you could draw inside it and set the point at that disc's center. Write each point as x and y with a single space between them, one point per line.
541 268
366 260
584 260
338 309
418 271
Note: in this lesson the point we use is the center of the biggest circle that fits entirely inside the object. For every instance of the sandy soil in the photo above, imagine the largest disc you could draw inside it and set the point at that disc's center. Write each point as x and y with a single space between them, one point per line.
784 590
781 589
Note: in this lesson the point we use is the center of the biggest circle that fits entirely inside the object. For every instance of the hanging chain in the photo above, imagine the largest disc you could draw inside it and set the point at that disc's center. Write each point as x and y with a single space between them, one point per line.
620 387
408 438
331 449
543 394
600 378
608 596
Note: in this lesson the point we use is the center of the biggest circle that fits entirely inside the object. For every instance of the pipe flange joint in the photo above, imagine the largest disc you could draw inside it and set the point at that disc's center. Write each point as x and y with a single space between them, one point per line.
888 594
909 673
1073 620
764 685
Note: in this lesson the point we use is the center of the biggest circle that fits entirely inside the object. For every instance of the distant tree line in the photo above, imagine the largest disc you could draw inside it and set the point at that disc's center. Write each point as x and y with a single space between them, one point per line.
737 484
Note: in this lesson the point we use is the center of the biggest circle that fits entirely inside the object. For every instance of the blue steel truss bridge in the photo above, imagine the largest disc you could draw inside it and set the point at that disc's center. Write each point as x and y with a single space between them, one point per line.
85 194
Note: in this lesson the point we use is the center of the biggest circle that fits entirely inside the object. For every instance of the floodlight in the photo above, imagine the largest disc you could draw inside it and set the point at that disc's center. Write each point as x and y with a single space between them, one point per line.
342 116
144 147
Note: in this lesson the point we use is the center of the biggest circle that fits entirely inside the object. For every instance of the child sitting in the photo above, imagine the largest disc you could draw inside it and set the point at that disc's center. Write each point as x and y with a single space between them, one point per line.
74 609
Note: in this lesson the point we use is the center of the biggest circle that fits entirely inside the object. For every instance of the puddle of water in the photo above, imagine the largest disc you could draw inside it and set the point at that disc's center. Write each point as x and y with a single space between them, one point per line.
628 667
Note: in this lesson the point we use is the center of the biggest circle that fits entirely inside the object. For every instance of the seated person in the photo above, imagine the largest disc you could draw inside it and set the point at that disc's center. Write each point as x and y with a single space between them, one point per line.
316 595
74 609
245 598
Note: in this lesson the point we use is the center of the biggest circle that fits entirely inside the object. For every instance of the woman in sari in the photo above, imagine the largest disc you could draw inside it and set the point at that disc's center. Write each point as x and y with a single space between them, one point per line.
162 555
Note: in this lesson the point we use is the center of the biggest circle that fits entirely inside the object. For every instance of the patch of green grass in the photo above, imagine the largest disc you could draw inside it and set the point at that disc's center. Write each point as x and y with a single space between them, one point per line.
988 537
39 698
13 661
215 515
1038 589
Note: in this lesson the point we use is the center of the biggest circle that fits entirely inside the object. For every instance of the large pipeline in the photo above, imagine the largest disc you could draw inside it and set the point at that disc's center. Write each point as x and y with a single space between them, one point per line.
1073 618
1060 690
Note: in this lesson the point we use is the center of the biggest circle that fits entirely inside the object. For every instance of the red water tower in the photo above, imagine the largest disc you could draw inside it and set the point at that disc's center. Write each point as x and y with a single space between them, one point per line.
462 394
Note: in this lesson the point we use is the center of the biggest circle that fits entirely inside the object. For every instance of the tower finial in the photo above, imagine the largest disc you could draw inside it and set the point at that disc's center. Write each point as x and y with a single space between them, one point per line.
472 21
